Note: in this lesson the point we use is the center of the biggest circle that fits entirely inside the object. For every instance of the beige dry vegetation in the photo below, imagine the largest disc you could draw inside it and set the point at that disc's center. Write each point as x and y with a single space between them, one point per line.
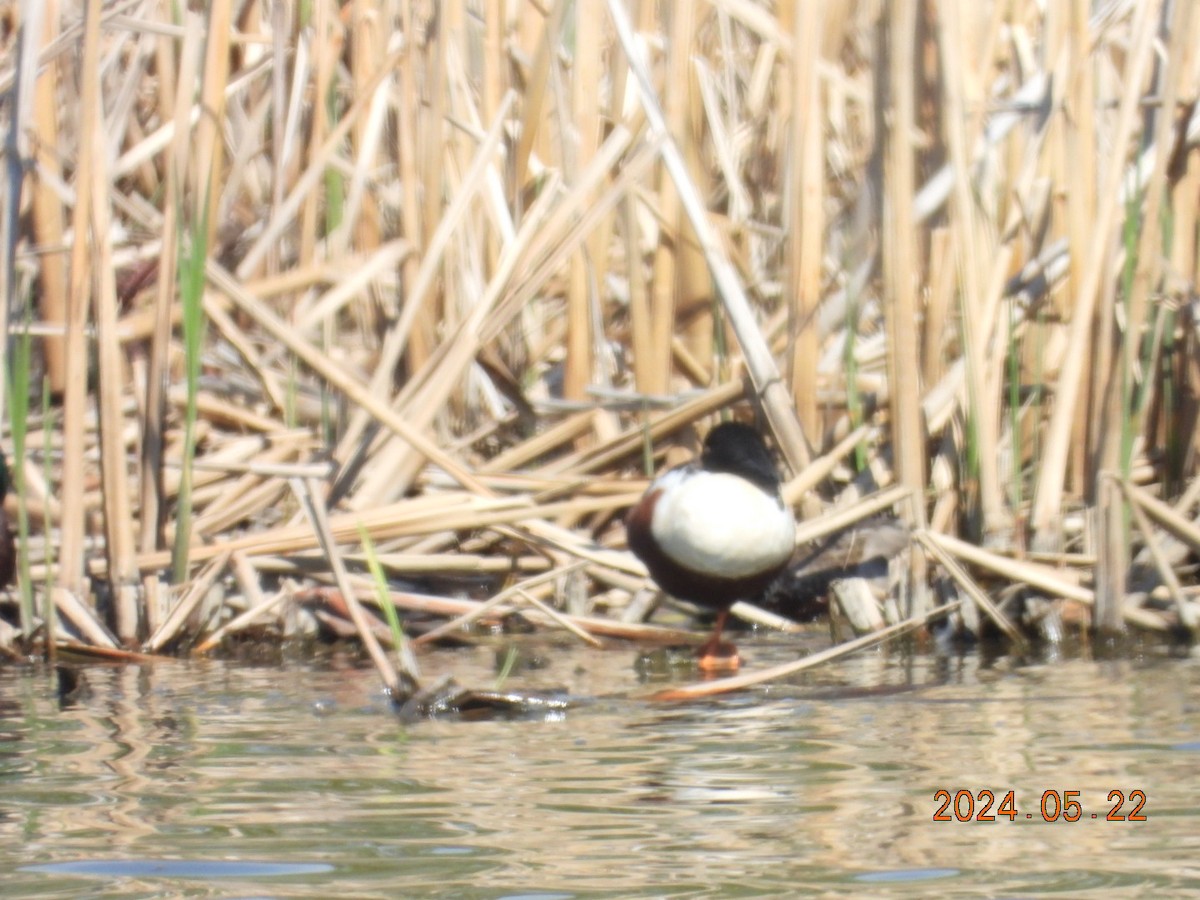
469 269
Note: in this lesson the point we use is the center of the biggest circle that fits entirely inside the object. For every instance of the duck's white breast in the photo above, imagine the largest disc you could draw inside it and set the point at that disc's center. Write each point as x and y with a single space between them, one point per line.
722 525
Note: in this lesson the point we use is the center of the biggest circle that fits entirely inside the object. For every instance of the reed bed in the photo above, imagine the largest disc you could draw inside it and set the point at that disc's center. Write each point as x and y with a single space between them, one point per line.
319 306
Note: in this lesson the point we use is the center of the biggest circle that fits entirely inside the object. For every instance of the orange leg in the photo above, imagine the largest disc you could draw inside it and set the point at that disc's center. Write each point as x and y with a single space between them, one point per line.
715 656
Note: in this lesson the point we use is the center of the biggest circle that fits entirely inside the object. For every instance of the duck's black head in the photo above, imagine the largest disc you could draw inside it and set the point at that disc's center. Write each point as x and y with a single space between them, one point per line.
740 450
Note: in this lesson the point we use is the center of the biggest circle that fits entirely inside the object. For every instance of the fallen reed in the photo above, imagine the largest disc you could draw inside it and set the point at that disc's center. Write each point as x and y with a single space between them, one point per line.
384 295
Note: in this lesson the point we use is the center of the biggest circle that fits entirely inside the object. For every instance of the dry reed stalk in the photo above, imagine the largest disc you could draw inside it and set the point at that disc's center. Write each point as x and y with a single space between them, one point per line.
81 616
748 612
118 515
595 625
821 467
641 321
398 520
47 209
570 222
559 619
493 603
541 444
543 487
311 275
1120 412
150 145
761 366
1051 472
248 580
169 630
969 585
1112 560
432 150
245 500
836 520
1079 172
152 505
901 265
461 348
315 171
367 46
231 451
309 493
546 34
1059 583
282 133
806 203
569 542
977 326
397 339
408 101
435 563
663 286
1169 518
657 427
587 266
1186 611
71 526
689 365
495 60
206 177
361 275
334 374
255 614
263 466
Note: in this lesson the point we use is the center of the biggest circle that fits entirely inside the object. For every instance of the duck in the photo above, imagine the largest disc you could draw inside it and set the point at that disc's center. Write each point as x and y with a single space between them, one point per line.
716 530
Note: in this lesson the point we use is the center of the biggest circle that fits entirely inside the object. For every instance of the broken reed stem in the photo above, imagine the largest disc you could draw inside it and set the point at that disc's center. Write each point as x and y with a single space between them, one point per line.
1187 612
968 584
308 492
460 622
258 613
169 631
774 673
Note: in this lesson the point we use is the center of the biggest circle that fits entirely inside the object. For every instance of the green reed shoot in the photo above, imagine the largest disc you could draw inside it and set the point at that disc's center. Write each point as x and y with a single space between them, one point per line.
1173 440
854 403
18 407
1129 237
193 255
335 215
506 668
381 588
48 550
1014 404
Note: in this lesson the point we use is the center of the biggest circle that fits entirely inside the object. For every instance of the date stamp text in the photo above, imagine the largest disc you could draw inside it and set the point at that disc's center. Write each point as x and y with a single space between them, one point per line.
1055 806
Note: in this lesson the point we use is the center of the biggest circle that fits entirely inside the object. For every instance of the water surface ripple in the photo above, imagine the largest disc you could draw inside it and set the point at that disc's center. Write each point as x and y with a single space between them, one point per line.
206 779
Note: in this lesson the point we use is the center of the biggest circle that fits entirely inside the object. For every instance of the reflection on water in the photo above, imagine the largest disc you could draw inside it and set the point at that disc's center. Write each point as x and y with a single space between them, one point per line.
211 780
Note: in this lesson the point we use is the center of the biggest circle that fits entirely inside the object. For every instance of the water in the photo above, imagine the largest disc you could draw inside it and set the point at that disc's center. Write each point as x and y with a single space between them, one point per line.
201 779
